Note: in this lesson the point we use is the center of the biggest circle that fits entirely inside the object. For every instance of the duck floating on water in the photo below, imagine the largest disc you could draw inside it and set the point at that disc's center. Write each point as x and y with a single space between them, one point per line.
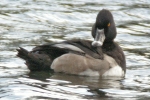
101 57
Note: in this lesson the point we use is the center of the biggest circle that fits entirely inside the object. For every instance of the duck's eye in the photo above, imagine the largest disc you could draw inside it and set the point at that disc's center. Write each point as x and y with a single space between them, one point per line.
108 24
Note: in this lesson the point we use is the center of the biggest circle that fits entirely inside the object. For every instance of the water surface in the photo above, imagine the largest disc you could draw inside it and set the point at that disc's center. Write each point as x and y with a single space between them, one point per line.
28 23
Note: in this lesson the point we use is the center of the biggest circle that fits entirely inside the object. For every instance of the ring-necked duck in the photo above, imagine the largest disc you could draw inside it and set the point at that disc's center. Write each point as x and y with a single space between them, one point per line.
101 57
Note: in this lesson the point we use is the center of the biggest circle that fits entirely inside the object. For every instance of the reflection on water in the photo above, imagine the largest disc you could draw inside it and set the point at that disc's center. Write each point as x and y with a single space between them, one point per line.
28 23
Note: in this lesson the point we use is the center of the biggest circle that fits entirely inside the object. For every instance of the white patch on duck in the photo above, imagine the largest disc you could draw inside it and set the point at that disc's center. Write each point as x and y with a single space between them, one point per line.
115 69
89 72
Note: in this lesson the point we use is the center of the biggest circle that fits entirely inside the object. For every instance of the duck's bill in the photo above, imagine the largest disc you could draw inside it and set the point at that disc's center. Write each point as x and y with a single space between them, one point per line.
99 38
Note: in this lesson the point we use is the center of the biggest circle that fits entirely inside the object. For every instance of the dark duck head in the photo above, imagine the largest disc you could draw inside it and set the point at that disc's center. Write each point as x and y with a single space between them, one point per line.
104 33
104 29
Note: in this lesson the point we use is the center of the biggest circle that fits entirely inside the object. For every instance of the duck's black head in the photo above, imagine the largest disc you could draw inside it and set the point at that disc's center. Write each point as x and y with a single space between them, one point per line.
104 29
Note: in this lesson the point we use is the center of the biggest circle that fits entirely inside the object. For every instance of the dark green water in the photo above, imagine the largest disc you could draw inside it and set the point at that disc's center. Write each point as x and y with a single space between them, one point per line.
28 23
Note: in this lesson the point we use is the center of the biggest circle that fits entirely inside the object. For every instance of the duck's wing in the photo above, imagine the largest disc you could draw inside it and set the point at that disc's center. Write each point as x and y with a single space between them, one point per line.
77 46
86 46
41 57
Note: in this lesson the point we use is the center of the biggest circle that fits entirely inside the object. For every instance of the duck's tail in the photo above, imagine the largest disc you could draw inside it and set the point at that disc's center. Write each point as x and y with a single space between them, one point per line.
35 60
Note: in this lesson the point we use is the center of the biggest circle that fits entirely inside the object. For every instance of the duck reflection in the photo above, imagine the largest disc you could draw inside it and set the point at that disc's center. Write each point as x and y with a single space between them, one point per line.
94 85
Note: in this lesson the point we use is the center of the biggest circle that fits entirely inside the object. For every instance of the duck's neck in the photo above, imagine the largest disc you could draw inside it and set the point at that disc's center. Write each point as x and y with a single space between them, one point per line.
108 46
114 50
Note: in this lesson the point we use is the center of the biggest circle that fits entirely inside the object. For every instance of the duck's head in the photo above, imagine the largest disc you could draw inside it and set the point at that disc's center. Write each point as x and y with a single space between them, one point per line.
104 28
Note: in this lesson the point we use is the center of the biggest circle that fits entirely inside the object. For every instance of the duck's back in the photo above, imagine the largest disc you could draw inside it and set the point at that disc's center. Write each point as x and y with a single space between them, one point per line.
41 57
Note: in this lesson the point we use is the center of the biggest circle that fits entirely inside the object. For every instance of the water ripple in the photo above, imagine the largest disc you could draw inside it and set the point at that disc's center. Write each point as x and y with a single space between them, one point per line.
28 23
